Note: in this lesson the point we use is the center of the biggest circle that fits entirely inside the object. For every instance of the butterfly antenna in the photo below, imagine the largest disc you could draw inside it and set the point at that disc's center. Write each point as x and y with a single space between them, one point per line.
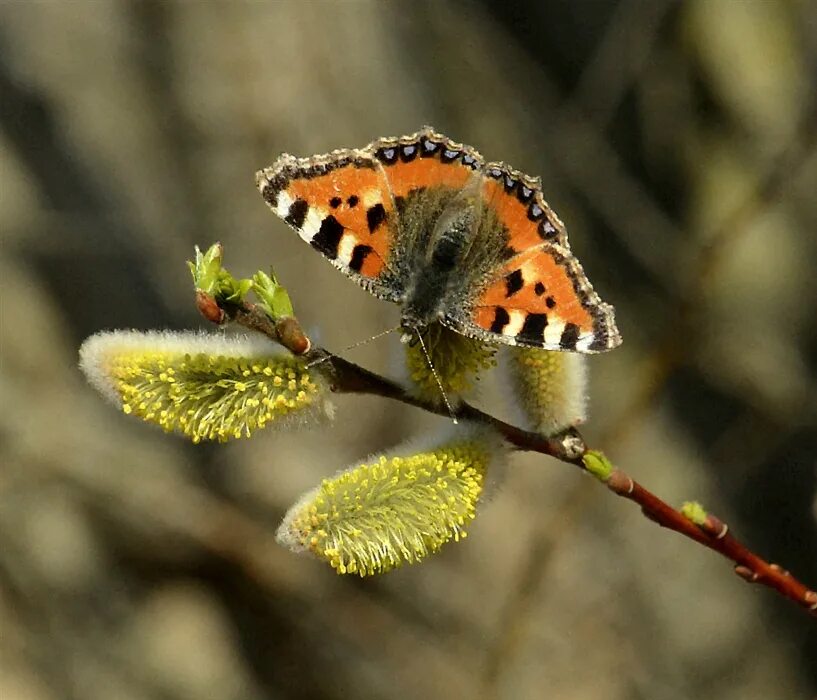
369 340
436 376
356 345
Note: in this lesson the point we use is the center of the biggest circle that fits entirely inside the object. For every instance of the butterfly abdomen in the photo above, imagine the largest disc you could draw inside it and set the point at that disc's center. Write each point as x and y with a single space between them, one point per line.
432 280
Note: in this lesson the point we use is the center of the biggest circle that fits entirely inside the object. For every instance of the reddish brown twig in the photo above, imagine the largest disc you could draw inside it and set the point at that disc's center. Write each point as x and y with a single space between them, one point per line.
567 446
714 533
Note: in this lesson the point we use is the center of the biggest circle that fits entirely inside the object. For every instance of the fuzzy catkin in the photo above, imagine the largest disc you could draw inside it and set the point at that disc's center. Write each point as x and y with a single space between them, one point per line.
550 387
394 510
457 359
206 387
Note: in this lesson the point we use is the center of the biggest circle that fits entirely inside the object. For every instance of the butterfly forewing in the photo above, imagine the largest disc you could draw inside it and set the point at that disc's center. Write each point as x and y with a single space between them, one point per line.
517 200
340 204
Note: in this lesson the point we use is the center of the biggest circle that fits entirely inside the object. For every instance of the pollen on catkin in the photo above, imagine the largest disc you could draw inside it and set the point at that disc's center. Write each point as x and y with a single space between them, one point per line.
550 387
457 359
205 386
393 510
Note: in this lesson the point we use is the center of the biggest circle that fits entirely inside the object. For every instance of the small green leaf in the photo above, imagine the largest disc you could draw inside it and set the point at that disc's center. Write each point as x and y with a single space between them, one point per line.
694 511
597 464
273 296
232 289
210 277
206 269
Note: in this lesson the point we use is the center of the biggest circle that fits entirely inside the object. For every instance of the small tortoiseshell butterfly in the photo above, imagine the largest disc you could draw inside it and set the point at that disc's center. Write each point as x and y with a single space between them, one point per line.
423 221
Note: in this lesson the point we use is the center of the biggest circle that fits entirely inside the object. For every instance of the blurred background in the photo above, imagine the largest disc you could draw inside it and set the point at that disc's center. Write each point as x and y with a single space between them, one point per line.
675 139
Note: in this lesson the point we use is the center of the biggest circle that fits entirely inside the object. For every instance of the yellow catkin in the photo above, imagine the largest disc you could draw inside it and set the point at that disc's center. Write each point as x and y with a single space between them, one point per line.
208 397
550 387
392 511
457 359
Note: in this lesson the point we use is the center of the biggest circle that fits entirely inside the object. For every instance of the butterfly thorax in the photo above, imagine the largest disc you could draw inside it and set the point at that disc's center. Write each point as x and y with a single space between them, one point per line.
437 273
427 294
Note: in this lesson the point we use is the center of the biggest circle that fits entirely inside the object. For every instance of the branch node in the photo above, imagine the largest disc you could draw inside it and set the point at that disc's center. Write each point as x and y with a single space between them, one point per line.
715 527
619 482
291 335
746 573
573 445
208 307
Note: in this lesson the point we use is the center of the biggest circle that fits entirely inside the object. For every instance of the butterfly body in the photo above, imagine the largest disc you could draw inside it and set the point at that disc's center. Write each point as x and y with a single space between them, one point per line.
422 221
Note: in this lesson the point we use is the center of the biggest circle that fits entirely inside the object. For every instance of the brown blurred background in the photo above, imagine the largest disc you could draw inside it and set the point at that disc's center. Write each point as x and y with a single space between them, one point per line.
676 139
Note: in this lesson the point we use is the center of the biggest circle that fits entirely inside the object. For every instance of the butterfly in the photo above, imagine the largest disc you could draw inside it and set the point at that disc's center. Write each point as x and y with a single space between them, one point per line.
425 222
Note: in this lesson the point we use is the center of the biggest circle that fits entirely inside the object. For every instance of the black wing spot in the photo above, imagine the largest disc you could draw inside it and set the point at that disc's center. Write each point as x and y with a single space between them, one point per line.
335 202
539 288
375 216
359 256
353 200
547 230
524 193
387 155
550 302
570 336
533 330
514 282
297 213
327 239
408 152
501 319
449 155
428 148
535 212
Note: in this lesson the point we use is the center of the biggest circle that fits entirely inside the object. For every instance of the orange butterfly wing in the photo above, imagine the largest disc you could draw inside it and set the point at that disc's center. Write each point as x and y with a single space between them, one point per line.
340 204
423 160
540 297
347 204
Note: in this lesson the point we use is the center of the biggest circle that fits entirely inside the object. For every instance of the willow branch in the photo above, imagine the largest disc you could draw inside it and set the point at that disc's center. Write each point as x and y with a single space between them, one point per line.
567 446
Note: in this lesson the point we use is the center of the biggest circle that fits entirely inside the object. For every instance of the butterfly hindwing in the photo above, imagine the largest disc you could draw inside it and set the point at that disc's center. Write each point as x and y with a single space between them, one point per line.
340 204
541 299
539 296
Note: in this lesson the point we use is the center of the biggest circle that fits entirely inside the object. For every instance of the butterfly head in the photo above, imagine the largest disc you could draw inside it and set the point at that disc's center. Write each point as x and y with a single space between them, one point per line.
414 323
411 333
